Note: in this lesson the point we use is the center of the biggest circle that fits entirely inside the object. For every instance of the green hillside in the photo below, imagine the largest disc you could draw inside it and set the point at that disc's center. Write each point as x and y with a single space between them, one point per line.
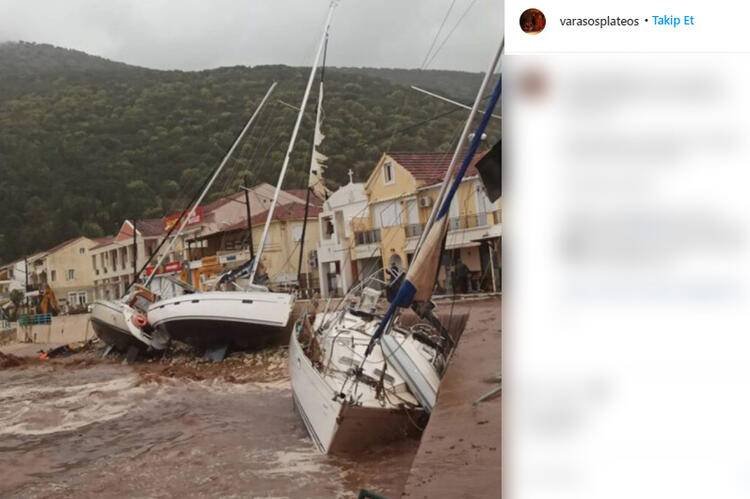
86 142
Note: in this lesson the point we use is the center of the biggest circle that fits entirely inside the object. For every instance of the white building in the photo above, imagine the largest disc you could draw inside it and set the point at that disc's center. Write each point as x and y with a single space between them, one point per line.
112 257
337 238
12 277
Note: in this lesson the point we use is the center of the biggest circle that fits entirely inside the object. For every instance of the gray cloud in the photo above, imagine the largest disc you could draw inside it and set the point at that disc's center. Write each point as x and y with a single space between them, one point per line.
201 34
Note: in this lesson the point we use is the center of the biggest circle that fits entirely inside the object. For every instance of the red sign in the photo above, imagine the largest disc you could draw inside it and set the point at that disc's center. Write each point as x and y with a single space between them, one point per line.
173 267
149 269
196 218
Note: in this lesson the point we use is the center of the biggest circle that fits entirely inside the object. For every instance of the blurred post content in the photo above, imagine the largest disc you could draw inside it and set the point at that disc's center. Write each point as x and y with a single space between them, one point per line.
627 310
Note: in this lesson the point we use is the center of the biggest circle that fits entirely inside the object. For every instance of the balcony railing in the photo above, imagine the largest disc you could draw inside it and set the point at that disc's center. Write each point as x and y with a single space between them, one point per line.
414 230
367 236
471 221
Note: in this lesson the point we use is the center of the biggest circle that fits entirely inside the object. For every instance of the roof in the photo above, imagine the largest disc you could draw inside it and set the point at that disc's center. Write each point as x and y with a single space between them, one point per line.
302 195
63 244
282 213
102 241
430 167
285 213
239 197
150 227
214 205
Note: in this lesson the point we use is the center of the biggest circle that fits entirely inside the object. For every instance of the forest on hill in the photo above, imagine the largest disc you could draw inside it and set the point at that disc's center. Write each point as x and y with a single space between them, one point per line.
86 142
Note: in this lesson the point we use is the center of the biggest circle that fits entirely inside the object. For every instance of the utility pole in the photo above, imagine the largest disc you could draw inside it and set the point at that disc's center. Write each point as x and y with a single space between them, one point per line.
135 252
249 221
26 289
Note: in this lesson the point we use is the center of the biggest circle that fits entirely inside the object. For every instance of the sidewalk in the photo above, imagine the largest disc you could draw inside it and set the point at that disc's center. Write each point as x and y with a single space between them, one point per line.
460 453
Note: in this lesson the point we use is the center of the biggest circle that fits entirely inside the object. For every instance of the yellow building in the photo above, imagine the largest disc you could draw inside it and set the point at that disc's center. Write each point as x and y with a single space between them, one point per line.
401 192
67 268
229 247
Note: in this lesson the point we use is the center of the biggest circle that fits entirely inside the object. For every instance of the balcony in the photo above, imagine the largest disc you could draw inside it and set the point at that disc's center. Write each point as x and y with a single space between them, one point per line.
471 221
367 237
414 230
366 244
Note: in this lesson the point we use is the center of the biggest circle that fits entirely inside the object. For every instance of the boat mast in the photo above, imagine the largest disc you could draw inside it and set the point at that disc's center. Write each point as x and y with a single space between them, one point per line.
417 281
313 162
292 140
454 161
211 181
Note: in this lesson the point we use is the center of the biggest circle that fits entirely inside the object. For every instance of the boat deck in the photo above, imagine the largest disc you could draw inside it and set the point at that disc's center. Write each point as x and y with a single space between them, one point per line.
460 452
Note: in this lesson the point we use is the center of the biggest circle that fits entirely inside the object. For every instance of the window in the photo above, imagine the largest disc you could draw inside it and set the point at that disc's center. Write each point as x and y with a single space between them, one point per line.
297 233
388 173
387 214
82 298
412 211
52 275
327 228
81 251
71 275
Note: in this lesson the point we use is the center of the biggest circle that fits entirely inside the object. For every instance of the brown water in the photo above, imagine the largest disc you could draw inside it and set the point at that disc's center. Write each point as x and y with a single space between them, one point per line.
105 430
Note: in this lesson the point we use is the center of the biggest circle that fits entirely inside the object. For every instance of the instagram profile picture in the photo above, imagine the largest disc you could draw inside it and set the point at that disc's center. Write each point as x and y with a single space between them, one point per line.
533 21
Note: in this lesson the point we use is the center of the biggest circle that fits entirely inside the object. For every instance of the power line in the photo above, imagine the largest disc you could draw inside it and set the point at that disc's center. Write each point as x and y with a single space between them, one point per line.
460 19
437 35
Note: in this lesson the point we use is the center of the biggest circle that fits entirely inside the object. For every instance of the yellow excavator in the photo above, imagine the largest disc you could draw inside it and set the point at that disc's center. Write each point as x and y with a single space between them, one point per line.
48 301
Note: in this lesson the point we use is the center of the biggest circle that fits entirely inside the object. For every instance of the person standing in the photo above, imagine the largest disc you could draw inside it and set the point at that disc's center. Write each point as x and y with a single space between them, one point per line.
462 276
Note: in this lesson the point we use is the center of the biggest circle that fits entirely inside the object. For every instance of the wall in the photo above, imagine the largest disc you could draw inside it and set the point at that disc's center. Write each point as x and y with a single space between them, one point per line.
281 256
75 256
63 329
378 190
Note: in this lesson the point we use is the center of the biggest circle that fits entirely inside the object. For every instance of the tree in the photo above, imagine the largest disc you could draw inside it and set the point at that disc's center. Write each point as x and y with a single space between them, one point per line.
16 297
86 143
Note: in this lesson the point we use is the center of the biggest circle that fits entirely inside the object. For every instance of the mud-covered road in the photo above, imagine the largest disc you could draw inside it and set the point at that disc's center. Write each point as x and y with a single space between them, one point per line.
82 427
113 430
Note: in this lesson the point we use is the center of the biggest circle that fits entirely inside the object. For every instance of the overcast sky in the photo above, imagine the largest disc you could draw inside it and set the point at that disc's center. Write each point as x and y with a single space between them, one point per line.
201 34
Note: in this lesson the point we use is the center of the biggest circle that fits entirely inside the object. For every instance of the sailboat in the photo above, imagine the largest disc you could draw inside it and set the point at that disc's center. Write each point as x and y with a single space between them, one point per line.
361 376
250 315
123 324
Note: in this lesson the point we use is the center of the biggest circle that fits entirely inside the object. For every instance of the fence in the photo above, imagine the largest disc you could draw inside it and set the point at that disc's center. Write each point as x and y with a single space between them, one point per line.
34 320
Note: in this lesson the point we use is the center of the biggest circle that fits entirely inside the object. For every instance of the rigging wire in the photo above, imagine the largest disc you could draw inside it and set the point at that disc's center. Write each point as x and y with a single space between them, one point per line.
437 35
450 33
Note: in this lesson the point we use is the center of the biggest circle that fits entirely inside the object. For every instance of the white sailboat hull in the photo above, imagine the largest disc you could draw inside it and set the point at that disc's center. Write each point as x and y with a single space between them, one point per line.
313 397
335 426
111 322
241 318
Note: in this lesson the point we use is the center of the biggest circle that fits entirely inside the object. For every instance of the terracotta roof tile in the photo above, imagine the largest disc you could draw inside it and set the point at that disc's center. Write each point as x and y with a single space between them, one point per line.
283 213
208 208
103 241
429 167
287 212
302 194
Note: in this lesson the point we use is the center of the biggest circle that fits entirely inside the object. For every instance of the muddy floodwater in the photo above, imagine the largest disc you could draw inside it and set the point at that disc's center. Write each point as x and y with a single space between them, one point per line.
107 429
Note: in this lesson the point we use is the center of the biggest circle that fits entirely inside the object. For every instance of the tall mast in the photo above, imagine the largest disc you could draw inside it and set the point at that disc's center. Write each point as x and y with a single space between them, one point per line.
313 162
456 154
420 278
292 141
211 181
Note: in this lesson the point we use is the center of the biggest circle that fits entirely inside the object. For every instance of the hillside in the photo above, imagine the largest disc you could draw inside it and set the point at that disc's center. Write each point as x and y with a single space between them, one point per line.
86 142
